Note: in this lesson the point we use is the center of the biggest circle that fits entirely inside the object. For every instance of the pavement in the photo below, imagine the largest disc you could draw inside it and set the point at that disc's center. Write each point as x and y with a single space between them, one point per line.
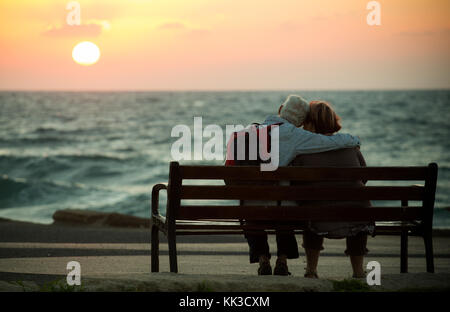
119 259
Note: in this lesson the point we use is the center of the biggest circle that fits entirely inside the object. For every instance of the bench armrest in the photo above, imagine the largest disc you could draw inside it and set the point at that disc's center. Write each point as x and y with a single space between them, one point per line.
155 197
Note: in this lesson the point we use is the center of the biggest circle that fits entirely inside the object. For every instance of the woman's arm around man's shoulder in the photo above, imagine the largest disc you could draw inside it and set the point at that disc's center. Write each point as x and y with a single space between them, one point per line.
306 142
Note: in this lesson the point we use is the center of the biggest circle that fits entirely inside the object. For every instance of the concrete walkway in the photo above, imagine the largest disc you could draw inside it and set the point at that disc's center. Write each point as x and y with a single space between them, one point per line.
119 259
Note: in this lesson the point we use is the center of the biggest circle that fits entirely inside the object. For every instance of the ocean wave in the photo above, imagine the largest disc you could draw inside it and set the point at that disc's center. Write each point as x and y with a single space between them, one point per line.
61 130
65 167
16 192
95 157
147 99
136 205
25 141
23 159
65 118
97 171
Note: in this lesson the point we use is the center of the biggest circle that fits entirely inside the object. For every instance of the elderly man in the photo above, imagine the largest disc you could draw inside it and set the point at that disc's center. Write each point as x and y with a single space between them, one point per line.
292 141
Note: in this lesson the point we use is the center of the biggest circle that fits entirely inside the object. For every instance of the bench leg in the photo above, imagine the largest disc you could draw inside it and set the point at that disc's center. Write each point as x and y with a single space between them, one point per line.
155 249
171 236
428 240
404 252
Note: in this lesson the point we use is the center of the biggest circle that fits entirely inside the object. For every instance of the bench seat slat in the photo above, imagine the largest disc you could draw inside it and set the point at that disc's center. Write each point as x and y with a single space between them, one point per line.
291 213
303 173
232 224
266 192
190 227
269 225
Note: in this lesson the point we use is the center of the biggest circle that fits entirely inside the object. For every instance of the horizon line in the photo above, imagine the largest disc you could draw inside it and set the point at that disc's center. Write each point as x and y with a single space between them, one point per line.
227 90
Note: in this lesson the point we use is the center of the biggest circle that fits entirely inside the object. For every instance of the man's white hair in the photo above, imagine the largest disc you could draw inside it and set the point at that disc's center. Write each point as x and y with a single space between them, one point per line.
295 109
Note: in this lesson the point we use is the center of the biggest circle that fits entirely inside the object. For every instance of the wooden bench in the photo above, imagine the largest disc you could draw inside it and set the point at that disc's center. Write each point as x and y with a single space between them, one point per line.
397 219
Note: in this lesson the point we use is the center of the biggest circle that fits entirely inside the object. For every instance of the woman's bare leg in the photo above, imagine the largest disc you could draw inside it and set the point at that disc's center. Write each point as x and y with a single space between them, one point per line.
312 259
358 266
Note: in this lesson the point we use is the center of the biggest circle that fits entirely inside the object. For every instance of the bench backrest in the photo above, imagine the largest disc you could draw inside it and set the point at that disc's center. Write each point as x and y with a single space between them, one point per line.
260 190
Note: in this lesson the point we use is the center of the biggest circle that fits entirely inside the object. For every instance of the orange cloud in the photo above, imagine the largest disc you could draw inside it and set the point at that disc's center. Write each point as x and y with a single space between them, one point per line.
90 29
436 32
199 32
171 26
186 30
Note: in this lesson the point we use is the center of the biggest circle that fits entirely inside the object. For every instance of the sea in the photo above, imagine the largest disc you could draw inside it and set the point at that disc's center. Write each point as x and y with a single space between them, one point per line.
104 151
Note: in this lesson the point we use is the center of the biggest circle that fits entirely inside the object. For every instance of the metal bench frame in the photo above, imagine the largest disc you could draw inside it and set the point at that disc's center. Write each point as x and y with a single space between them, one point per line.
403 220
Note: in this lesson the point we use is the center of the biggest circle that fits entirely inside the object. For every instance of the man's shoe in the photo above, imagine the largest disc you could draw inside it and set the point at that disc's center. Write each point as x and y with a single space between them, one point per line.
281 268
264 269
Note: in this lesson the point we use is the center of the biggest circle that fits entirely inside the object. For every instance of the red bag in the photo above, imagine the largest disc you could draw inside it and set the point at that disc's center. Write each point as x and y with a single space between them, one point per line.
252 154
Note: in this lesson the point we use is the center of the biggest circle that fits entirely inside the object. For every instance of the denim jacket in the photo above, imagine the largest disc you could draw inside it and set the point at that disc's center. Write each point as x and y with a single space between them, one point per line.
294 141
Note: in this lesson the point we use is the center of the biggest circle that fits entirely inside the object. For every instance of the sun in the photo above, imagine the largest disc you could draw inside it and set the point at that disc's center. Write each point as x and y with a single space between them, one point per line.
86 53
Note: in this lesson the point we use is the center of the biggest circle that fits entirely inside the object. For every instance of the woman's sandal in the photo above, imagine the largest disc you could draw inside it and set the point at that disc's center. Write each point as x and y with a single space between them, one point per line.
364 276
311 274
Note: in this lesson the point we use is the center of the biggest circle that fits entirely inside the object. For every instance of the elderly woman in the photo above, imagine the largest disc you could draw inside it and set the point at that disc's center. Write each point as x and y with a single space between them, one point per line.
293 141
323 120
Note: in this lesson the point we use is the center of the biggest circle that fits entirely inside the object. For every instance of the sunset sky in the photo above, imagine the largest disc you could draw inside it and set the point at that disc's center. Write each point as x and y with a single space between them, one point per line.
226 44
